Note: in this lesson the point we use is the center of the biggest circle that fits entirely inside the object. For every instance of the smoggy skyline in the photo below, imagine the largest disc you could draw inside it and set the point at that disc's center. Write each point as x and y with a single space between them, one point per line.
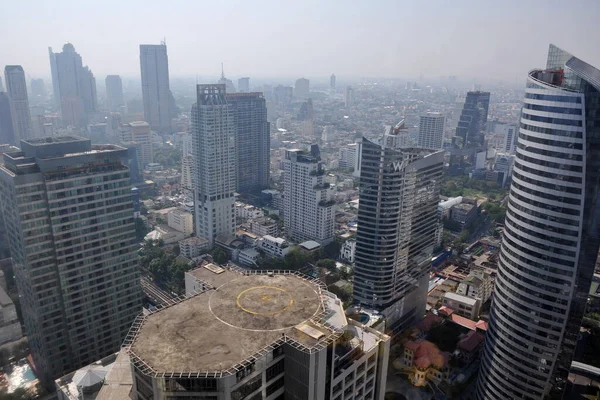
394 39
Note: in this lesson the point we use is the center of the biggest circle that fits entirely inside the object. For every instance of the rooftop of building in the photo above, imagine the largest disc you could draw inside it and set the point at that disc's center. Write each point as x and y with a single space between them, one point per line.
242 315
464 206
459 297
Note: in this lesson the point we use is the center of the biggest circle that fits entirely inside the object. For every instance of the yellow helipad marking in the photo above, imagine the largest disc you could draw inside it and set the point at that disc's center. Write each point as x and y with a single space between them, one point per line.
265 298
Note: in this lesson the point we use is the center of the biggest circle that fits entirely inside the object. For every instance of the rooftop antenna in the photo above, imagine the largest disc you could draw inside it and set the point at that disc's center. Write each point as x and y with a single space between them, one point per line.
222 72
164 41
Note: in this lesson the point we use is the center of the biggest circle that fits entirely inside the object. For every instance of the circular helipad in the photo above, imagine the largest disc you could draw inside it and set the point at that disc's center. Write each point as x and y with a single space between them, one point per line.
262 302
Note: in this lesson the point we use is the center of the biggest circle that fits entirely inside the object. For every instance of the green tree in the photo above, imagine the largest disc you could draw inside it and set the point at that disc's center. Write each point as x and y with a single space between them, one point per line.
326 263
219 255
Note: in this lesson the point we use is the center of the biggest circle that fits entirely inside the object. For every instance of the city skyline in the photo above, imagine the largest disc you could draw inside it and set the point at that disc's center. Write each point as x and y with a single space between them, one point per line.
445 51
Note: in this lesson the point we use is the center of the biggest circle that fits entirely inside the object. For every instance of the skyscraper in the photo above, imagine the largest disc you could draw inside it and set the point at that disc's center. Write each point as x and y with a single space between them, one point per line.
349 97
253 141
139 134
229 86
68 205
16 88
76 86
214 141
332 82
38 91
7 133
397 221
308 205
156 92
1 85
551 235
431 130
114 92
473 119
244 84
54 72
302 88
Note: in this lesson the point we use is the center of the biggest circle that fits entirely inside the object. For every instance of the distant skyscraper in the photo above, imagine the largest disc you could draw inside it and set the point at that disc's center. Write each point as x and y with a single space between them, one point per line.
551 235
7 132
253 141
349 97
214 152
244 85
473 119
307 112
55 83
332 82
38 91
308 204
431 130
76 86
1 85
397 222
138 133
114 92
73 245
156 91
282 95
16 88
229 86
302 88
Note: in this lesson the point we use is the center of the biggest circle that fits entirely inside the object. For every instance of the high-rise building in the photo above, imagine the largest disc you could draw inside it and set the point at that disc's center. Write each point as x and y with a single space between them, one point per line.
114 92
1 85
397 222
16 89
244 84
68 205
270 336
138 133
253 141
551 237
54 73
76 86
229 86
309 209
156 92
332 82
7 132
431 130
283 95
472 120
307 112
302 88
214 140
38 91
349 97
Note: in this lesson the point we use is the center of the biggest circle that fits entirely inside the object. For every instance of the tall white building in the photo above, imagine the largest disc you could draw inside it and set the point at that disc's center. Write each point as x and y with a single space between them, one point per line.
156 91
138 132
431 130
244 85
308 206
349 97
214 153
16 88
551 235
349 156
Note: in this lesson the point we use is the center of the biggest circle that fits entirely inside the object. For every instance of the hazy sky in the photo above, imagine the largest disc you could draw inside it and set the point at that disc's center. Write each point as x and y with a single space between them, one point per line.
390 38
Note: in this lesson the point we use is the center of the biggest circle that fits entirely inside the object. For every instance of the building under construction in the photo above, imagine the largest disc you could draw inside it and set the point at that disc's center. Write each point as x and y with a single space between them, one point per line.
255 335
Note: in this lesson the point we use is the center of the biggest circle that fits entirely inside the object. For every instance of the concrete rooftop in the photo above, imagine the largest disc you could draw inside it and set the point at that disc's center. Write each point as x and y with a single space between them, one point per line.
220 328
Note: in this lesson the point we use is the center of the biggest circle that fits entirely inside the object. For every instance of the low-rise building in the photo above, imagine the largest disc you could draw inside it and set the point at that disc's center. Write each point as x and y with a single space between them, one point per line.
264 226
181 221
274 246
465 306
246 211
478 285
347 250
248 257
193 247
165 233
426 362
463 213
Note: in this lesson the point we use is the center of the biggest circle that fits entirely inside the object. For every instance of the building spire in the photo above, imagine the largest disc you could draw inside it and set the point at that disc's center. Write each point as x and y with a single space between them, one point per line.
222 72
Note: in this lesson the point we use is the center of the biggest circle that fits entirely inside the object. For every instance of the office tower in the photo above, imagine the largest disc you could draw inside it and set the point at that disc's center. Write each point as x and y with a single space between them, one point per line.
397 223
16 89
214 139
1 85
114 93
472 120
38 91
309 208
509 134
307 112
270 336
283 95
244 85
138 133
156 92
7 133
302 88
55 83
68 205
76 86
551 236
349 97
253 141
332 82
348 156
229 87
431 130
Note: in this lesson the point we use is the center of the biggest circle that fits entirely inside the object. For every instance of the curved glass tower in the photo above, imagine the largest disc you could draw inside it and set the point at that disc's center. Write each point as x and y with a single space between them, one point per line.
551 235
